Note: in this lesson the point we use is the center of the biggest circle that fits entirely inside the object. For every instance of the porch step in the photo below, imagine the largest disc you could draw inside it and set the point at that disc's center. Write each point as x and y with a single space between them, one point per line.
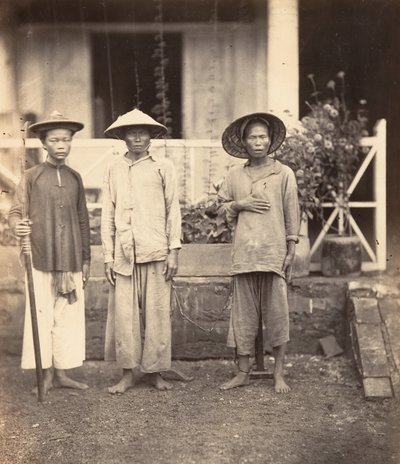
373 312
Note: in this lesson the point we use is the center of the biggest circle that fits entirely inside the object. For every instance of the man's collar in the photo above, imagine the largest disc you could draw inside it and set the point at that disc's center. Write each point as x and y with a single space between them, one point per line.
131 163
275 167
53 165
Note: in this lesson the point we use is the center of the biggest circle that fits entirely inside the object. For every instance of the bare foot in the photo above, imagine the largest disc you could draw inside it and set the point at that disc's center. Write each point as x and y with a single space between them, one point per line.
157 381
280 385
240 380
124 384
63 381
47 382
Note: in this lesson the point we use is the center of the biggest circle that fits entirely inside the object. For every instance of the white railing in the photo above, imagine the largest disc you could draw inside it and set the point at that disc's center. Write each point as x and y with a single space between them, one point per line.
376 252
202 163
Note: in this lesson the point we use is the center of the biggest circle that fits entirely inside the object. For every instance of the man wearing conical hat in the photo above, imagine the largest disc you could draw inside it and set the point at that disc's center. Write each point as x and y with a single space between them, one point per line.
260 198
53 198
141 230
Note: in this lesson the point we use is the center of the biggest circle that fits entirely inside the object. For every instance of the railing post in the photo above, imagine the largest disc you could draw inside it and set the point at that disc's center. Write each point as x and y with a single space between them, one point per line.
380 195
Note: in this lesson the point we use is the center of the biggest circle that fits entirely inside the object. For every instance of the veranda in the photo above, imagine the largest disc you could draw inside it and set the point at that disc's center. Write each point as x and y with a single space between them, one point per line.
202 164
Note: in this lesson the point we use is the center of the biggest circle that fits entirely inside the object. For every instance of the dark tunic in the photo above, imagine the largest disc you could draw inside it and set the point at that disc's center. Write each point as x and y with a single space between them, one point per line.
56 205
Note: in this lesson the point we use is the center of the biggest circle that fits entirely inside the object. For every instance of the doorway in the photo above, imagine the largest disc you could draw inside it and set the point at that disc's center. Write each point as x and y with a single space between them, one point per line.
124 77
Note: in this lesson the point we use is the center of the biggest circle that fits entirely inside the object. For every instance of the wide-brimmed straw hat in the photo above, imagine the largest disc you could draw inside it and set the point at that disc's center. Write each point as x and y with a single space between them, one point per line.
56 121
135 118
232 137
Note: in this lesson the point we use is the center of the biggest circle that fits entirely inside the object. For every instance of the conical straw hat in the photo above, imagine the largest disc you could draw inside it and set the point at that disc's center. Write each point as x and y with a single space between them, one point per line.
135 118
233 134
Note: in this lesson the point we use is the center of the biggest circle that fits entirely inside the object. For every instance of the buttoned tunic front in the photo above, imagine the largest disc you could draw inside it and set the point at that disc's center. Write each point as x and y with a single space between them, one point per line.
260 239
141 218
55 203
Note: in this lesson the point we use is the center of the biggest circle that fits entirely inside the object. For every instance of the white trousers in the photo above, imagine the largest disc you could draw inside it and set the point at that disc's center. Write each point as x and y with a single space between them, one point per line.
61 325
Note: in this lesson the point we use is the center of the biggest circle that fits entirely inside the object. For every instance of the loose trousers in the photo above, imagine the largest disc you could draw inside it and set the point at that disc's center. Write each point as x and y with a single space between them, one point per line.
138 332
254 292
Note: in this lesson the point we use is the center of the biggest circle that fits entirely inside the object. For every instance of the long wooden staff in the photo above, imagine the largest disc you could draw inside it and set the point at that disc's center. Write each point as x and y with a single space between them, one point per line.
26 250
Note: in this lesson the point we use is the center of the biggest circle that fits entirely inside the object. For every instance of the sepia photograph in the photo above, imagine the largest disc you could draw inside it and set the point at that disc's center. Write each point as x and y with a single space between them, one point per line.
199 231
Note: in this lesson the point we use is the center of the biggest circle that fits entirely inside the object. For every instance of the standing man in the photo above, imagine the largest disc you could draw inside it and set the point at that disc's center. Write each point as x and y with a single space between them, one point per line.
260 198
54 200
141 230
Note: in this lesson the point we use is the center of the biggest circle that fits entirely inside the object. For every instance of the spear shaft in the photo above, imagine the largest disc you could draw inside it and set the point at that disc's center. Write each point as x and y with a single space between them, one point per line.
26 250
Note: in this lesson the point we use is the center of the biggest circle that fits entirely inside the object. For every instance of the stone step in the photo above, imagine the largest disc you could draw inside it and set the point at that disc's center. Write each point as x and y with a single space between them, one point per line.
374 325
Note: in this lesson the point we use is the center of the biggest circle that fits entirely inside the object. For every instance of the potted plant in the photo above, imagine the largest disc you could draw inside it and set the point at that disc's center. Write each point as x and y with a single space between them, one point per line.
324 153
299 152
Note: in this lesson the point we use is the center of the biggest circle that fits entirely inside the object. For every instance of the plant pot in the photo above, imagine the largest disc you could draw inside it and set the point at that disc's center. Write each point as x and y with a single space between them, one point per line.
341 255
301 263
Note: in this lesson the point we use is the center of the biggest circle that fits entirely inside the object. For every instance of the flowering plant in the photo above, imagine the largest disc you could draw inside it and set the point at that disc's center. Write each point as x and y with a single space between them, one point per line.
324 149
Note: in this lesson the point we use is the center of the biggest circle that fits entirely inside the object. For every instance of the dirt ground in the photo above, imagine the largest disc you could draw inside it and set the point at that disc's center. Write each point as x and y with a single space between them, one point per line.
324 419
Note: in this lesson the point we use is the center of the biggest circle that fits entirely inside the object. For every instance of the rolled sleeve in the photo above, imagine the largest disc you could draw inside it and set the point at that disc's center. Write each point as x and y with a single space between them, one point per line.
291 208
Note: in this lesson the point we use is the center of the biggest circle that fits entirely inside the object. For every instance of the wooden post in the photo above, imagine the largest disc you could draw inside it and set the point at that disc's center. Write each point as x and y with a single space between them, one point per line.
380 195
260 373
282 39
259 348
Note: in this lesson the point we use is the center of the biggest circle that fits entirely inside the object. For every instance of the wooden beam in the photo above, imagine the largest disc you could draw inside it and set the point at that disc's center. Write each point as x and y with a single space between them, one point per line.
363 168
380 195
362 238
324 231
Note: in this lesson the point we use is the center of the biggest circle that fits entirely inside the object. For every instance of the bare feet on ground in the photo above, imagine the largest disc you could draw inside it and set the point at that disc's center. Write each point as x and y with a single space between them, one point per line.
280 385
157 381
240 380
124 384
47 382
63 381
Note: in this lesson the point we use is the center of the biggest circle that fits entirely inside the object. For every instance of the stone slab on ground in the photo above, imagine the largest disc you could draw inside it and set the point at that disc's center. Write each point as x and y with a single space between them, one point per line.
377 388
366 310
330 346
372 350
390 312
373 311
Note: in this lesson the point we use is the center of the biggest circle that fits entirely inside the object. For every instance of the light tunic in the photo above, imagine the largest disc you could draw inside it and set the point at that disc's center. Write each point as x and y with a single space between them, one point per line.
141 219
260 238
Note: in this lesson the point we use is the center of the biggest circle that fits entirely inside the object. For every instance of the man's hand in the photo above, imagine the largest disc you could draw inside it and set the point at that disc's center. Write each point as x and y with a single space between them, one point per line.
110 273
23 228
85 273
171 264
288 262
250 203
